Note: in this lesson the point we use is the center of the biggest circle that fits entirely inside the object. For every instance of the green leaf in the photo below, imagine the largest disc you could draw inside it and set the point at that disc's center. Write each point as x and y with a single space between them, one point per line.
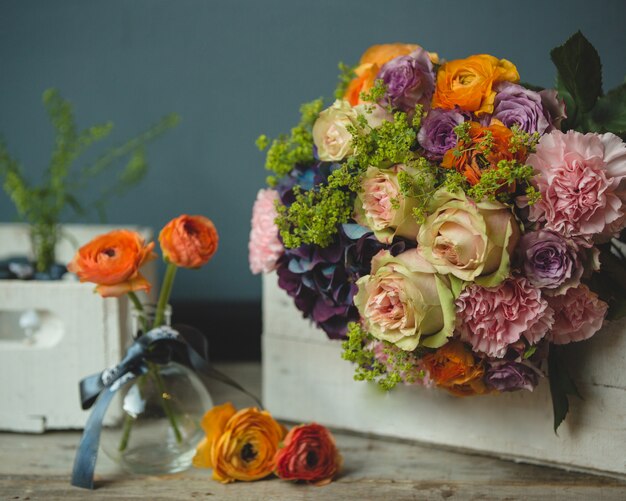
609 113
561 385
579 70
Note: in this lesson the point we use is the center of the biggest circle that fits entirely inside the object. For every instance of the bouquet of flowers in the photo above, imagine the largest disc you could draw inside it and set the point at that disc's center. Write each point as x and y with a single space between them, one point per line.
454 226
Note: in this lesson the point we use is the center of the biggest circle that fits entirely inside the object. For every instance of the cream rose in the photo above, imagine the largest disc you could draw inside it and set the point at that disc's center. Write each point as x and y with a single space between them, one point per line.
405 302
331 130
472 241
381 206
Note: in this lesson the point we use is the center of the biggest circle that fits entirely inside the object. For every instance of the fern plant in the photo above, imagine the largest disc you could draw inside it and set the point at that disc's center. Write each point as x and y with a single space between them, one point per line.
43 205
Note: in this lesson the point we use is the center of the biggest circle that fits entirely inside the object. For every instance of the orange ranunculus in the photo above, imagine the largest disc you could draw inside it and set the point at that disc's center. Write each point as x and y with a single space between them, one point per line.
484 149
453 368
369 66
239 446
213 423
468 83
189 241
309 454
112 261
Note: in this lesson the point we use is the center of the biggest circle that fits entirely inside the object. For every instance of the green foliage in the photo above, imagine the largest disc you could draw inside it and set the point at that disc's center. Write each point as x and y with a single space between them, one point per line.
376 93
579 83
561 385
314 216
419 183
498 184
346 74
609 113
44 205
580 71
389 144
523 140
287 151
399 365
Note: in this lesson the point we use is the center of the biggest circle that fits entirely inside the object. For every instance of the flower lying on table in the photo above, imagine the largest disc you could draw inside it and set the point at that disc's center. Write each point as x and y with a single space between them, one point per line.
246 446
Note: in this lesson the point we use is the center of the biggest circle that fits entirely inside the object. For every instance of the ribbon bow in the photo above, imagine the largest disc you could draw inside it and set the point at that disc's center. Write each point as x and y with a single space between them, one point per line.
184 345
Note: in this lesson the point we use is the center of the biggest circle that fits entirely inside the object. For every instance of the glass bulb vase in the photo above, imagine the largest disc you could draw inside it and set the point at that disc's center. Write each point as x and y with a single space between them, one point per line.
161 410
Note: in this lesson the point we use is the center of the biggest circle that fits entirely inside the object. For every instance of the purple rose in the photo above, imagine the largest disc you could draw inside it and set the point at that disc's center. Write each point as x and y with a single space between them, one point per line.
506 375
516 105
553 107
437 134
549 261
409 80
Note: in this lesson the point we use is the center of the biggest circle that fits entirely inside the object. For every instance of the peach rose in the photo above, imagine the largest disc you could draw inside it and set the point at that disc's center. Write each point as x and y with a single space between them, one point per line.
468 83
405 302
472 241
309 454
112 261
239 445
381 207
189 241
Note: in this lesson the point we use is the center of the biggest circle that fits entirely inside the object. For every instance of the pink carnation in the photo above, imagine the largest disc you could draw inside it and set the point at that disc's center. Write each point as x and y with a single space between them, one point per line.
492 318
264 247
579 314
580 180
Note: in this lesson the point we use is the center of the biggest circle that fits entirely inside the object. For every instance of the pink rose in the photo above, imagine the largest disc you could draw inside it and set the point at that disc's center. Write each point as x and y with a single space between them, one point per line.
264 247
579 178
492 318
579 314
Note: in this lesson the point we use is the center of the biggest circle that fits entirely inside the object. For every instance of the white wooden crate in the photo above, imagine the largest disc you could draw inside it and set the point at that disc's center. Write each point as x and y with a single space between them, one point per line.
305 379
80 334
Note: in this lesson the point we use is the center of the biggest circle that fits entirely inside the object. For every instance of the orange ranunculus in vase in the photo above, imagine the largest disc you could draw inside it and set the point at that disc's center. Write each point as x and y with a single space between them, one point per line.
468 83
189 241
239 446
112 261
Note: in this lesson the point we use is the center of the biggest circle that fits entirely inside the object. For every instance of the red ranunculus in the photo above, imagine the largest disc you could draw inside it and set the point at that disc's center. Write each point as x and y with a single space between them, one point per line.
309 453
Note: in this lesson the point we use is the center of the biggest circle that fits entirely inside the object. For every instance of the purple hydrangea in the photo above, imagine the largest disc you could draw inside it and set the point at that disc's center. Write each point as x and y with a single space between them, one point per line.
322 280
437 134
549 261
507 375
409 80
516 105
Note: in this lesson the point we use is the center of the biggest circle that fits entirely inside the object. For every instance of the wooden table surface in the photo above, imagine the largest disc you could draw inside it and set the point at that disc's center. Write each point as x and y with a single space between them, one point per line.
37 467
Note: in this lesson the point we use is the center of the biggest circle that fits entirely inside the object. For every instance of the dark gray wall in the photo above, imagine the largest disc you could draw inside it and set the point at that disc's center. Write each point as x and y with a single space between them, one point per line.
235 69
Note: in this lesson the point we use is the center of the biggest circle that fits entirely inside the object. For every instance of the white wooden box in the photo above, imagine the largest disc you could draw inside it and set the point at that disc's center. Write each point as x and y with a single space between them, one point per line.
80 334
305 379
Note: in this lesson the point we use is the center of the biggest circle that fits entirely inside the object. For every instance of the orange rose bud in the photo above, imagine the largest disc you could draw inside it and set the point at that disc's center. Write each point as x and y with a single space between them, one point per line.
468 83
189 241
453 368
112 261
309 454
485 148
246 446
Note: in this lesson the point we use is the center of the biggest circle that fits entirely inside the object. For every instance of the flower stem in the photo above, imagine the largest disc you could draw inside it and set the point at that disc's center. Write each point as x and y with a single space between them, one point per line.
164 296
163 398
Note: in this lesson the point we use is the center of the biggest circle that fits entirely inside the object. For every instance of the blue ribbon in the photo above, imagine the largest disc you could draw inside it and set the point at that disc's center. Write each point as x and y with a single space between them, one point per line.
185 345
